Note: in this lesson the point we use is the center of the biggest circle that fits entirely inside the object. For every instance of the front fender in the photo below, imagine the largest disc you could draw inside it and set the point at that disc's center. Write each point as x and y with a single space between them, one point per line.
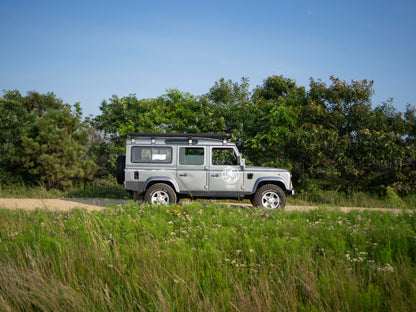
271 180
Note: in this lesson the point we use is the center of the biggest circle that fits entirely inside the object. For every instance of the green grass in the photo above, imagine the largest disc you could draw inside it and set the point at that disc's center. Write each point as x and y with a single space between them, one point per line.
357 199
206 258
107 188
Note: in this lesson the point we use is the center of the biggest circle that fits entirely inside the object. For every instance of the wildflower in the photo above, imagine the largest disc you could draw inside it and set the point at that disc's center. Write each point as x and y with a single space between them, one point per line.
386 268
168 211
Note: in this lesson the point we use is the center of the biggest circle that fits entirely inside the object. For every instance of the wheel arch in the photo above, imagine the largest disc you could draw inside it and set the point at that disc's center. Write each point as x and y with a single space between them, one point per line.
169 181
276 181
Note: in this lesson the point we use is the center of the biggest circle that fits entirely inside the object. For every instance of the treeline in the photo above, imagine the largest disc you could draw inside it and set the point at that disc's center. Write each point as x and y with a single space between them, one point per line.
329 136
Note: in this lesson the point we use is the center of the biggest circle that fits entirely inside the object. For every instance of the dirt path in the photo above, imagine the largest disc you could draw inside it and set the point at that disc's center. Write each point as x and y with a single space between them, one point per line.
100 203
58 204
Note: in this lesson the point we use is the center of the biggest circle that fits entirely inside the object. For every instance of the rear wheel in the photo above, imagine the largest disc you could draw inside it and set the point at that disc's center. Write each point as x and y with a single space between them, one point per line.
160 194
270 196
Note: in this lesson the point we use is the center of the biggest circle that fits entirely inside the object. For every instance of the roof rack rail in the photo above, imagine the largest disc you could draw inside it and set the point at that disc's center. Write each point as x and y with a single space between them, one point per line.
218 136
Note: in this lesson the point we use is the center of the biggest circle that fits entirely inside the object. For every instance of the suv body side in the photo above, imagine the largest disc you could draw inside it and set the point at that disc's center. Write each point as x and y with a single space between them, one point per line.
196 167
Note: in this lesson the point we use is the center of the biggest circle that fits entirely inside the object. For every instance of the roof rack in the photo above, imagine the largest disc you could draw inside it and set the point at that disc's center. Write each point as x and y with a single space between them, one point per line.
218 136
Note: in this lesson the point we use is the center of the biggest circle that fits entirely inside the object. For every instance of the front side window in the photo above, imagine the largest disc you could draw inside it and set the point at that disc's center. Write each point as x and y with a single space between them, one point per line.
191 155
150 154
224 157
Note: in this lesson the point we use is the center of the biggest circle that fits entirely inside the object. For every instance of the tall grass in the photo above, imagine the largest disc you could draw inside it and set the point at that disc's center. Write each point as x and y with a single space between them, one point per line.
98 189
196 258
108 188
356 199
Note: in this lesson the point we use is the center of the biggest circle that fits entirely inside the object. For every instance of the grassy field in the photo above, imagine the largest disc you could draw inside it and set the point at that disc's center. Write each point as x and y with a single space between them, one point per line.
206 258
108 188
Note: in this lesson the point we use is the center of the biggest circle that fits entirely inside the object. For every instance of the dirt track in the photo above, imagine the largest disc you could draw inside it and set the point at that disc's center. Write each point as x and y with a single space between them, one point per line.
57 204
100 203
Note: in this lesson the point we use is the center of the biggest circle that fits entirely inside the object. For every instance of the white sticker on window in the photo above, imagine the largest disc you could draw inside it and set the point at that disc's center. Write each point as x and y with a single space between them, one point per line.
158 157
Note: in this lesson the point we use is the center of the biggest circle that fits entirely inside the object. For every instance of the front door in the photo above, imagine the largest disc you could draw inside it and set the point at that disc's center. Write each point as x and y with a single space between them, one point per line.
225 174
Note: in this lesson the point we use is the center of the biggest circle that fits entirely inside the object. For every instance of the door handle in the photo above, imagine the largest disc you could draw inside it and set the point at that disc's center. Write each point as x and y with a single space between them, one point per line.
215 175
183 175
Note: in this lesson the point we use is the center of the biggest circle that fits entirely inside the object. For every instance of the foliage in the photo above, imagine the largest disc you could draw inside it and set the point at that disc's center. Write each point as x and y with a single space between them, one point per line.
196 258
329 136
106 188
45 141
14 117
275 108
370 150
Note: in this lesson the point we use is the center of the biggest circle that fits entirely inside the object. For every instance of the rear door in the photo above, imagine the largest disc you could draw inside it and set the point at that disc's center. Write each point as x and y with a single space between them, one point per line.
192 172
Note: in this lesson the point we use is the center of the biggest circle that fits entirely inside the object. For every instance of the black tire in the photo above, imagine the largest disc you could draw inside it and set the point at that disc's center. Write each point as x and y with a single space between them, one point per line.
160 194
269 197
120 166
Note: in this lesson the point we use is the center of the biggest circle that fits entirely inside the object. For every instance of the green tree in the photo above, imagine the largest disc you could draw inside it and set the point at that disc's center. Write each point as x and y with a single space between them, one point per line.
358 147
44 141
14 117
53 149
272 121
230 102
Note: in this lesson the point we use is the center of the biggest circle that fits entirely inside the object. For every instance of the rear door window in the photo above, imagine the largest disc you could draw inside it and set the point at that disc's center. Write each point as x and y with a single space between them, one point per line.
191 155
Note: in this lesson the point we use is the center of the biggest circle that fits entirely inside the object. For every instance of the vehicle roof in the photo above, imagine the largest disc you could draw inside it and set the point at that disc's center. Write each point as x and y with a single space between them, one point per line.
179 139
217 136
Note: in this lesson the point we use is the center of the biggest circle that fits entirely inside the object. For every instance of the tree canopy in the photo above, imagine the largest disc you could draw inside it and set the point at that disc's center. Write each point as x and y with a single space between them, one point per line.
329 135
44 140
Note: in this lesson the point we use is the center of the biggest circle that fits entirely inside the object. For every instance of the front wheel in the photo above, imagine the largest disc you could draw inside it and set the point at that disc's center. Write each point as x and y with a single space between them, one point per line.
270 196
160 194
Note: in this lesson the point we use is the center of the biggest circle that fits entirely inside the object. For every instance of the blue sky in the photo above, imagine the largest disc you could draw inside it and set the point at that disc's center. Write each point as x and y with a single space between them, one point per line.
86 51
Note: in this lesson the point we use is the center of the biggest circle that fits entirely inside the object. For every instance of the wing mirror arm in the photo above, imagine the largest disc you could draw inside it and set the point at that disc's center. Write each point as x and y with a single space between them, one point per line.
242 162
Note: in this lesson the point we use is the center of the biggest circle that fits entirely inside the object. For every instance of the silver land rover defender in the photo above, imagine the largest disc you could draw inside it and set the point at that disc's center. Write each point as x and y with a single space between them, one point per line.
166 166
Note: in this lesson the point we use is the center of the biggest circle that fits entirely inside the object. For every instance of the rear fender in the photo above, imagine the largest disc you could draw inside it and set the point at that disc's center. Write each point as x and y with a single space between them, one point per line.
162 179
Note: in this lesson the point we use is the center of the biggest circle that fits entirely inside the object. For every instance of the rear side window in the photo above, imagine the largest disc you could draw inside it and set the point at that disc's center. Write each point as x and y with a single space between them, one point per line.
150 154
